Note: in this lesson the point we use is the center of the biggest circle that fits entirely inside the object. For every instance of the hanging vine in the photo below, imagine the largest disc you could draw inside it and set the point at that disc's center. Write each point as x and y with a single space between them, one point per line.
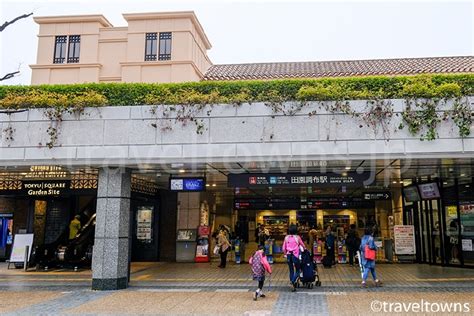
422 117
378 114
462 115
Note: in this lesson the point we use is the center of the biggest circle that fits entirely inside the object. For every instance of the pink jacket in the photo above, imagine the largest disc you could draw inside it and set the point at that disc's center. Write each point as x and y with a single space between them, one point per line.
292 244
264 261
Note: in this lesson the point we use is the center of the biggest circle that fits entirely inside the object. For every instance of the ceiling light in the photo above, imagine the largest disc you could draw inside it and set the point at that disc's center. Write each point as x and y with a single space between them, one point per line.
445 183
348 168
207 185
344 174
214 184
463 174
394 182
182 171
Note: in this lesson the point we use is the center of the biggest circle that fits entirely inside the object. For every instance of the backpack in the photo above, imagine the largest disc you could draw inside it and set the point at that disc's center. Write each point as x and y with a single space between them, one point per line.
258 269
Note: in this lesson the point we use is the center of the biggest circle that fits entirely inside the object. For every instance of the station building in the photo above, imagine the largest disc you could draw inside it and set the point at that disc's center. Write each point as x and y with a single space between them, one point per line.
149 190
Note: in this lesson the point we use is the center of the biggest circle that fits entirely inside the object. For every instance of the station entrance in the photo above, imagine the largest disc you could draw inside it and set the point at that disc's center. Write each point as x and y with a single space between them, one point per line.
432 200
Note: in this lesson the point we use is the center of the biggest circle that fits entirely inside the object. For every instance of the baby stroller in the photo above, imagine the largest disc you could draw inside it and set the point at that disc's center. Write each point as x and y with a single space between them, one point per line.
309 276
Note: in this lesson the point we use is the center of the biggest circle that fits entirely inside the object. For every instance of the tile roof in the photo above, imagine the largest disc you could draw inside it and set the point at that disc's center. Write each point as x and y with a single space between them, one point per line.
347 68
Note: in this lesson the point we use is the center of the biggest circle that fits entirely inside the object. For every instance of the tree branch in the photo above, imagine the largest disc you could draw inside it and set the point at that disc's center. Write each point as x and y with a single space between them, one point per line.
9 75
7 23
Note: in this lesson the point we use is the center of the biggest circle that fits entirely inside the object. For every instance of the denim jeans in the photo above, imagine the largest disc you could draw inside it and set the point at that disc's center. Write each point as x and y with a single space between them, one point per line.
366 273
294 267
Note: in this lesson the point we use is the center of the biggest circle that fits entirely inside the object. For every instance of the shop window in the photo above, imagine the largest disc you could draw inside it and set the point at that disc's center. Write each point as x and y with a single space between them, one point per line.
150 46
165 46
61 48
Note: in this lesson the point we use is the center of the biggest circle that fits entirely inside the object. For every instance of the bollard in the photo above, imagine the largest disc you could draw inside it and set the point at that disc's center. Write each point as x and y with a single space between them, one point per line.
25 263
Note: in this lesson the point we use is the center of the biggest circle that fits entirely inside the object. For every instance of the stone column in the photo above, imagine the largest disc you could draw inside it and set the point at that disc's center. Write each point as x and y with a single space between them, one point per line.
110 260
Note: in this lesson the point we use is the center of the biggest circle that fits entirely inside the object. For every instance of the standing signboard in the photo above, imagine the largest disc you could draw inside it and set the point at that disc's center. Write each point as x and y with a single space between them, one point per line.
20 241
404 236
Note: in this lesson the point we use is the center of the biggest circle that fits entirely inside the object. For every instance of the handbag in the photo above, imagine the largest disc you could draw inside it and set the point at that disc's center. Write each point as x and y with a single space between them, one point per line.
216 250
369 254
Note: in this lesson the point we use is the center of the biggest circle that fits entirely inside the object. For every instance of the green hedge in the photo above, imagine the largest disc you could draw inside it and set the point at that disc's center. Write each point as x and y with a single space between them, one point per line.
423 86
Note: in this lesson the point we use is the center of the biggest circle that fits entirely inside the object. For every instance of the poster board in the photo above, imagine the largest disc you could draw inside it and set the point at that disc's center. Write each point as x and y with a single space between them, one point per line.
144 224
20 241
404 236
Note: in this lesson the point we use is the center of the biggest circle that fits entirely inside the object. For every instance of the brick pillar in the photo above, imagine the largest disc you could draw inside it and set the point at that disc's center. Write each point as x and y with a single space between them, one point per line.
110 261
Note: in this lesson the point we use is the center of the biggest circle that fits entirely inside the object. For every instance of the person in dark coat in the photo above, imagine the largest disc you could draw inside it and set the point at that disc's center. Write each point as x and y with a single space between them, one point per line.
352 243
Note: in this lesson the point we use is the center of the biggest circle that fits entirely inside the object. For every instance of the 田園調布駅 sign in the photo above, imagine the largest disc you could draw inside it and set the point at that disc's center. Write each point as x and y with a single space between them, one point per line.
329 179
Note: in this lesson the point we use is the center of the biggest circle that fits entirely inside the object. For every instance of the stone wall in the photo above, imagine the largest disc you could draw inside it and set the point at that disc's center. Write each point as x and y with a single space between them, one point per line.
132 135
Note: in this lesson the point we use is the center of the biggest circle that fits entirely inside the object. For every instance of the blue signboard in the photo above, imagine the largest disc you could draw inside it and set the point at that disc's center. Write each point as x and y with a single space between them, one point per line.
187 184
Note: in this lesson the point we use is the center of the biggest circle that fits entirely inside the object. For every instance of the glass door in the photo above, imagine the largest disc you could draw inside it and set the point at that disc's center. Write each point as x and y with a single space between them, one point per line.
436 232
466 213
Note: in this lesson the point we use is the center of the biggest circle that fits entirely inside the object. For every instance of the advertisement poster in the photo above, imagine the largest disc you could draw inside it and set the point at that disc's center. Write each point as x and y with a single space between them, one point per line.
144 224
20 242
467 245
404 236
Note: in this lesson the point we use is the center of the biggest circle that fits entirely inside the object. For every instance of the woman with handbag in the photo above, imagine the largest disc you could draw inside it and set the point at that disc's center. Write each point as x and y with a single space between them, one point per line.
224 247
293 246
368 250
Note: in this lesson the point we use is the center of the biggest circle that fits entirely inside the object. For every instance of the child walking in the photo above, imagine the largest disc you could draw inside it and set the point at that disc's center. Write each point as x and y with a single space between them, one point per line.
259 265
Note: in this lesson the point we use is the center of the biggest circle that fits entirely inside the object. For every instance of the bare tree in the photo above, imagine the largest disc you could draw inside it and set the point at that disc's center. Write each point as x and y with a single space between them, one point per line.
3 27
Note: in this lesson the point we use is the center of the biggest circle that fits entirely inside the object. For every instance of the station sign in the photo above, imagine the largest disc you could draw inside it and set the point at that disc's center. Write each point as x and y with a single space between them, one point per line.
188 184
350 179
377 196
335 203
285 203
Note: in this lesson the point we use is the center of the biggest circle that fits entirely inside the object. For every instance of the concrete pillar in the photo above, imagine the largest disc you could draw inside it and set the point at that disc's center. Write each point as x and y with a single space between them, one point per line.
110 261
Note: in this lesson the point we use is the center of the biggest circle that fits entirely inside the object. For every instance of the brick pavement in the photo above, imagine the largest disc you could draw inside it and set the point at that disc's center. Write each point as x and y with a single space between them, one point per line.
203 289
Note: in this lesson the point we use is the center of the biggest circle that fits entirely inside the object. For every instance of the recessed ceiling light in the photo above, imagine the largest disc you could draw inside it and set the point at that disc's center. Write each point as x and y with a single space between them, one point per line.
348 168
394 182
445 183
207 185
463 174
214 184
182 171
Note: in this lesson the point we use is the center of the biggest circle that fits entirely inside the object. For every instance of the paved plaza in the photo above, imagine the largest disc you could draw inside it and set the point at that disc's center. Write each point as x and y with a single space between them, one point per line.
204 289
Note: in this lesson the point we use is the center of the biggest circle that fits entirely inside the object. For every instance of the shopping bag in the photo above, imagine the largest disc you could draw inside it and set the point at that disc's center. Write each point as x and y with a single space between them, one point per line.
216 250
369 254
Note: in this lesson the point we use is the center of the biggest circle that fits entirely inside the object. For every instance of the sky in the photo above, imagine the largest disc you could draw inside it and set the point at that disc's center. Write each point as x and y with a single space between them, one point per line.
272 30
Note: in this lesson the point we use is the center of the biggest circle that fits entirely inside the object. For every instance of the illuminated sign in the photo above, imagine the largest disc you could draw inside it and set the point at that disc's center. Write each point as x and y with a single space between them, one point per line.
187 184
37 172
330 179
45 188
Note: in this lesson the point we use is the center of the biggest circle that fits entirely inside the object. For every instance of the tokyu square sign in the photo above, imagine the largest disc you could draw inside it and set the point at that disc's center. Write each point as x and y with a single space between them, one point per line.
329 179
45 188
40 188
